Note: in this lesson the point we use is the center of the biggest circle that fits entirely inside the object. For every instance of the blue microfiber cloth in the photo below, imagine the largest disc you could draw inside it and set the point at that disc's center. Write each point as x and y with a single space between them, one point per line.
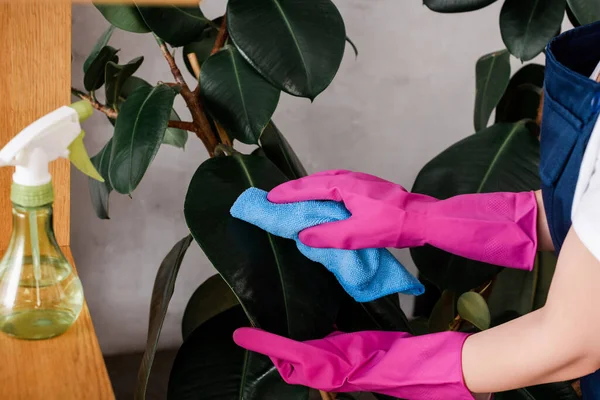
365 274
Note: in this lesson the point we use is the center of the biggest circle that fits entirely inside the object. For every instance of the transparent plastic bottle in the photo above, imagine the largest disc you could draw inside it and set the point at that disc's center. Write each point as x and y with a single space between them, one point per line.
40 295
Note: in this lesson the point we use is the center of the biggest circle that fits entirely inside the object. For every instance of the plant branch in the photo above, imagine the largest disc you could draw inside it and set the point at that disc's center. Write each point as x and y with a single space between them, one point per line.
202 127
326 395
221 37
186 126
172 64
97 105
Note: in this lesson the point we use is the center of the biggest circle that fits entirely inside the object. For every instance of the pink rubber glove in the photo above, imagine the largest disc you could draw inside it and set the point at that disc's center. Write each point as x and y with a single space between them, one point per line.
497 228
427 367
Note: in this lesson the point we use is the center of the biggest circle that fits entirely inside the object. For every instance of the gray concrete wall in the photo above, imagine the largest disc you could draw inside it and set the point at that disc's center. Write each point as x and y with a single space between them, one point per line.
408 96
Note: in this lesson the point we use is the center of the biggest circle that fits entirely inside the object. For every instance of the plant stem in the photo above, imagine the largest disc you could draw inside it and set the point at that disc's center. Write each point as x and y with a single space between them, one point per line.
97 105
326 395
202 127
111 113
221 37
186 126
193 59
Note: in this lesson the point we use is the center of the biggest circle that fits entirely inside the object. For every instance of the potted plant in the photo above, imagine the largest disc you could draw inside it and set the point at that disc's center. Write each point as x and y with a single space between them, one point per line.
244 60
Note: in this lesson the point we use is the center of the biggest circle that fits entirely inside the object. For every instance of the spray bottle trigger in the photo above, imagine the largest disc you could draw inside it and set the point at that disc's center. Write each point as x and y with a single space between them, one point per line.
78 155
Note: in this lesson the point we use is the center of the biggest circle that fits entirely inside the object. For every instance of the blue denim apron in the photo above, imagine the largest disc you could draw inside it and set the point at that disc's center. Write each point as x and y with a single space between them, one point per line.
571 107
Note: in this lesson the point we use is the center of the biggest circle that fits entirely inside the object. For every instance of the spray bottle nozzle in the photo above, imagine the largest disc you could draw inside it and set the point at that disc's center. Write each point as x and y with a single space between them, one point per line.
84 109
57 134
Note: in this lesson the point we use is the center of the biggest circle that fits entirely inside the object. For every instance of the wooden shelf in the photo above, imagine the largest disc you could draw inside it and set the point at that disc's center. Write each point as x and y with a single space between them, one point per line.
35 78
67 367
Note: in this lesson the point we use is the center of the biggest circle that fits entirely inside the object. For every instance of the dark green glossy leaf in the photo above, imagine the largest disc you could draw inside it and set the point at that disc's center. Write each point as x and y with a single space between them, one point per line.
176 25
528 25
553 391
201 46
383 314
420 326
116 75
210 366
100 191
501 158
173 136
123 16
237 96
164 286
454 6
522 97
513 290
277 149
102 41
471 307
94 76
354 48
297 45
210 299
492 74
281 290
519 394
572 18
586 11
139 132
505 317
443 312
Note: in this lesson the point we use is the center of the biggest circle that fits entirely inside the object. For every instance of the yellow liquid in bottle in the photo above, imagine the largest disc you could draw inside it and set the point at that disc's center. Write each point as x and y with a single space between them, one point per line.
40 296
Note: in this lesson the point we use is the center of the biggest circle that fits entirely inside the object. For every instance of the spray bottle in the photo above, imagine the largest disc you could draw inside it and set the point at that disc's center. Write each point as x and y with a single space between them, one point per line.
40 295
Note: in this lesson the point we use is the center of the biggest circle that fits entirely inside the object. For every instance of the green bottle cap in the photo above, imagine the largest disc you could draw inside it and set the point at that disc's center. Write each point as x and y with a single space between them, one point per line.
32 196
84 109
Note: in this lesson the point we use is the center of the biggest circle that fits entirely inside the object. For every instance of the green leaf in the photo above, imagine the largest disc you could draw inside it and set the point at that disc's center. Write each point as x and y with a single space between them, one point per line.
454 6
139 131
102 41
443 312
297 45
93 78
281 290
586 11
99 191
354 48
116 75
522 97
471 306
173 136
552 391
528 25
513 290
383 314
572 18
164 286
501 158
238 97
277 149
210 299
125 17
492 74
176 25
210 366
519 394
202 47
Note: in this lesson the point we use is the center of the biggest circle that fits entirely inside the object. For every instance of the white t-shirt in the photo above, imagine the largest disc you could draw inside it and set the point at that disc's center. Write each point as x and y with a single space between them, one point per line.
585 212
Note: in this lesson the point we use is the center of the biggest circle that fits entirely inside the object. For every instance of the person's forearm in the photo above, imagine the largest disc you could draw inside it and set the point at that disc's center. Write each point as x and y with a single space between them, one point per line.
543 232
553 344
